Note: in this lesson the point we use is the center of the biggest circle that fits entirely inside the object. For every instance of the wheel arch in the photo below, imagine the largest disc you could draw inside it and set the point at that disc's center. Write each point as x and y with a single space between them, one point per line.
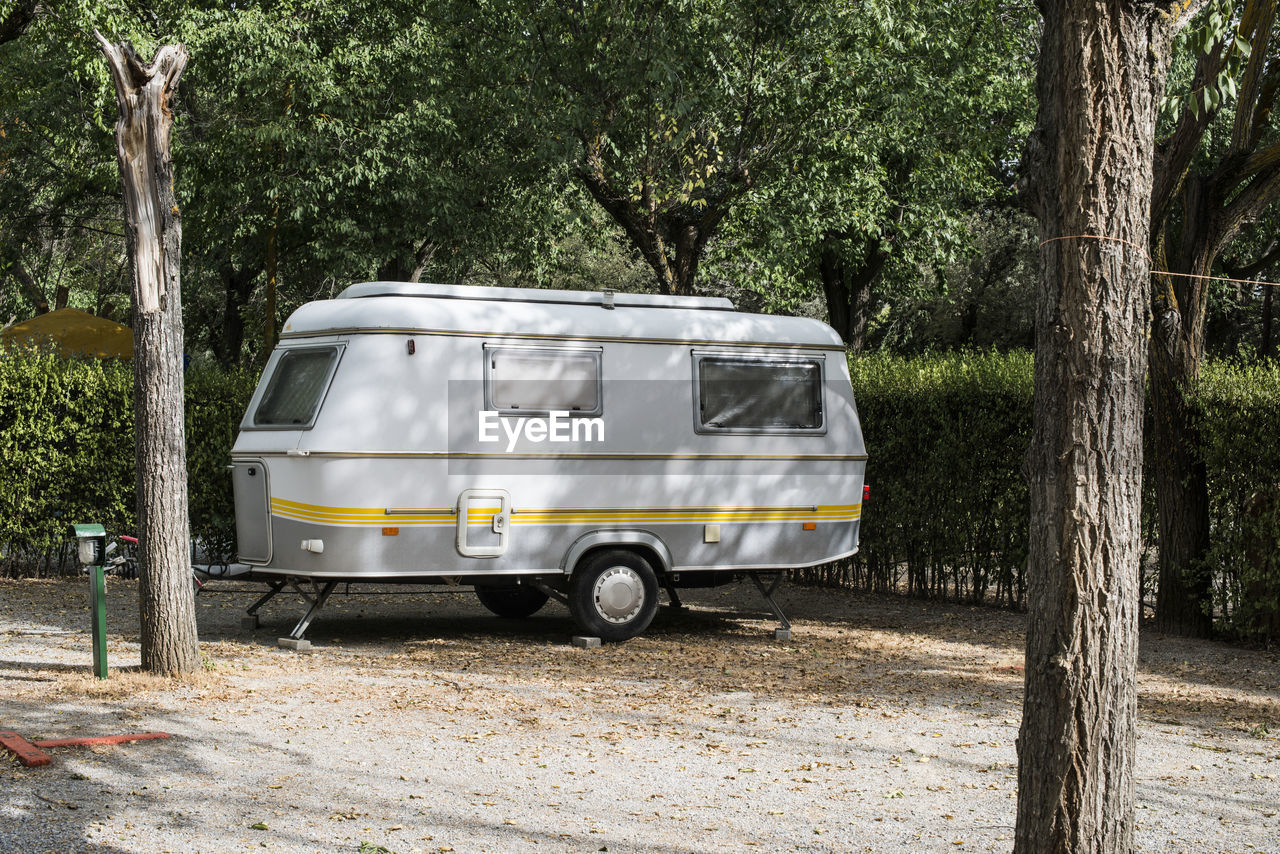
645 542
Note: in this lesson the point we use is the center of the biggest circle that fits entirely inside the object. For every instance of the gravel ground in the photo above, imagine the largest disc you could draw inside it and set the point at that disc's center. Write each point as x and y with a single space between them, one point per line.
421 724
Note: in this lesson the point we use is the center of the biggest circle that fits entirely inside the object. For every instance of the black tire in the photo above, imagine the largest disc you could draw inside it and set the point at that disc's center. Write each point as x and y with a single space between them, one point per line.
514 603
614 595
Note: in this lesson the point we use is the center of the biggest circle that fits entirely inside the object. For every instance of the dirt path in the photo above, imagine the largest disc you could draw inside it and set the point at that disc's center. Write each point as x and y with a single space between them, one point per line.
421 724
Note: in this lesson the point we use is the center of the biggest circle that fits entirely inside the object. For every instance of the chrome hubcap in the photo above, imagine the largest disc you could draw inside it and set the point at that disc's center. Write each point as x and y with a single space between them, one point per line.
618 594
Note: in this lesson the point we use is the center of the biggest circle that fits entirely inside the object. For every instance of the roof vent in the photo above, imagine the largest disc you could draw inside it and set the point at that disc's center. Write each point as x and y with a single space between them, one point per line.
607 298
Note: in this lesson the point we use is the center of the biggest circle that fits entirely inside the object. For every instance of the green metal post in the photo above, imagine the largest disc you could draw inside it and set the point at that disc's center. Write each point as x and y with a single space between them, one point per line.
91 543
98 616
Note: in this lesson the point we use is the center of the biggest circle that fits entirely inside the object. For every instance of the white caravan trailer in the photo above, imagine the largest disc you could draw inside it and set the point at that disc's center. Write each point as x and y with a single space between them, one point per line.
533 443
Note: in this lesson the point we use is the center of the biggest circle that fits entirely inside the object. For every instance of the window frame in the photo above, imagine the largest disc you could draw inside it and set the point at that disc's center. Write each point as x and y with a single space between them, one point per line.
492 349
271 374
700 356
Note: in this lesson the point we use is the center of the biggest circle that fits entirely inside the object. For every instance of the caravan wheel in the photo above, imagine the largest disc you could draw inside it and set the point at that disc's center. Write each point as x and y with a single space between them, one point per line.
614 595
514 603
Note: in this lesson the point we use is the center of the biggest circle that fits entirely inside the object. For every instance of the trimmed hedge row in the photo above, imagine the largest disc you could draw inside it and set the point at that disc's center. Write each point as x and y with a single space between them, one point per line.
1240 406
947 435
947 514
66 455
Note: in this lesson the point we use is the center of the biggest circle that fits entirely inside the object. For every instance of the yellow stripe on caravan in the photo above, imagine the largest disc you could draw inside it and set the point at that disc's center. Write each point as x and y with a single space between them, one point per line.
378 516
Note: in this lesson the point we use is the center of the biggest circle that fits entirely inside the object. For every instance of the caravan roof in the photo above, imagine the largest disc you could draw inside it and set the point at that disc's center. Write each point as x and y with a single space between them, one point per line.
398 307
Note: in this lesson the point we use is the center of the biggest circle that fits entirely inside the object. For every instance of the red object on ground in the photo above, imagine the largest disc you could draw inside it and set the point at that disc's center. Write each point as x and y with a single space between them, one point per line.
29 752
99 739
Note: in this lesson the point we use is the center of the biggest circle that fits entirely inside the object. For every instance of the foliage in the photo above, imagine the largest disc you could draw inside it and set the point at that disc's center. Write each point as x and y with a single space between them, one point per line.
983 298
66 454
928 133
947 435
668 113
1240 408
947 514
216 401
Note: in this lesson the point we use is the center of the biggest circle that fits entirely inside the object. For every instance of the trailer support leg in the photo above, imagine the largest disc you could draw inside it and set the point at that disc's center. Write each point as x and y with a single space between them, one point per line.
674 596
551 592
317 600
250 618
783 632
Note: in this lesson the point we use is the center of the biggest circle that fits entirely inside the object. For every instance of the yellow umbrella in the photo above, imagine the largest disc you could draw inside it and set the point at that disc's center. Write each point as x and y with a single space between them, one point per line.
73 333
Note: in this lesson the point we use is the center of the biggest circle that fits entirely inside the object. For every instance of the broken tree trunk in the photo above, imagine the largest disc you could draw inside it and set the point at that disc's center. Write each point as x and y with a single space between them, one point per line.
153 233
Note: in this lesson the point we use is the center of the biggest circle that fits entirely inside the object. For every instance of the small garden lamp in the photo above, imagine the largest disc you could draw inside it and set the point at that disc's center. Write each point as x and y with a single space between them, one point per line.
91 542
91 547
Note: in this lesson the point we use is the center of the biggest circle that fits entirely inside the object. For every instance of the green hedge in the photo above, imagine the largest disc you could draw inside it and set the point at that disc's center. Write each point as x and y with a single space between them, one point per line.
947 436
947 515
1241 410
66 454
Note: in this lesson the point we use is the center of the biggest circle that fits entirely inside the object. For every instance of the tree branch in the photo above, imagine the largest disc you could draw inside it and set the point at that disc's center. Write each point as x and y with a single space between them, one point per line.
1246 207
1172 160
1256 23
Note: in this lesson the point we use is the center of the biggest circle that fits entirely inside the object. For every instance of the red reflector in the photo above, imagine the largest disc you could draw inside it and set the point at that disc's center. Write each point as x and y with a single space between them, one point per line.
390 532
866 492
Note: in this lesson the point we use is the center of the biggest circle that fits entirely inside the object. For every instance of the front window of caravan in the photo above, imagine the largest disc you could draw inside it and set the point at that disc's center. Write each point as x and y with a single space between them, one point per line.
759 394
296 387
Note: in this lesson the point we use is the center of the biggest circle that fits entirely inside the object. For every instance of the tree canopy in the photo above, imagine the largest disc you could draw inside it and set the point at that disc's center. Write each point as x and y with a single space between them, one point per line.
732 147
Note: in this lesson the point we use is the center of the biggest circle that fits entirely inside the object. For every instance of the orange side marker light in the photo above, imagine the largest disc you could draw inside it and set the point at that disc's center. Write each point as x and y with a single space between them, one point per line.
811 526
390 532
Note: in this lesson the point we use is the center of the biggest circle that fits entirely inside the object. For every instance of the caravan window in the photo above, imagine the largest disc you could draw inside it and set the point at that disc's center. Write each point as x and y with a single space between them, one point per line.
533 380
296 388
758 395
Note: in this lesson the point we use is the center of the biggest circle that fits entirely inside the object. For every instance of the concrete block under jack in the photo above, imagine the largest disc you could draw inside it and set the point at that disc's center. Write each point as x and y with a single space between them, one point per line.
782 634
250 622
584 642
294 644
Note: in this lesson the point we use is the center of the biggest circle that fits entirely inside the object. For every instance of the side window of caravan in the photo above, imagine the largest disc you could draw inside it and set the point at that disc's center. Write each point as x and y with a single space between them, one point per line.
758 394
296 387
533 380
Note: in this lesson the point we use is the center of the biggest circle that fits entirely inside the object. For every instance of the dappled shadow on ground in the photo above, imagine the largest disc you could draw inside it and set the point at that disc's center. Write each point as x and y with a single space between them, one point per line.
847 648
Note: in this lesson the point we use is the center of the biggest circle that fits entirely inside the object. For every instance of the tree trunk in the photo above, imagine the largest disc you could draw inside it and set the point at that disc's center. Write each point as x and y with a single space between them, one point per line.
848 290
153 233
398 269
671 241
1182 501
1181 482
237 284
1201 203
1090 161
269 309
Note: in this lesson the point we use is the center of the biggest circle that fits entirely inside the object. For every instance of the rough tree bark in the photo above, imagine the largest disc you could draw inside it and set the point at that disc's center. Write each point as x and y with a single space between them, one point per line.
1089 162
153 233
